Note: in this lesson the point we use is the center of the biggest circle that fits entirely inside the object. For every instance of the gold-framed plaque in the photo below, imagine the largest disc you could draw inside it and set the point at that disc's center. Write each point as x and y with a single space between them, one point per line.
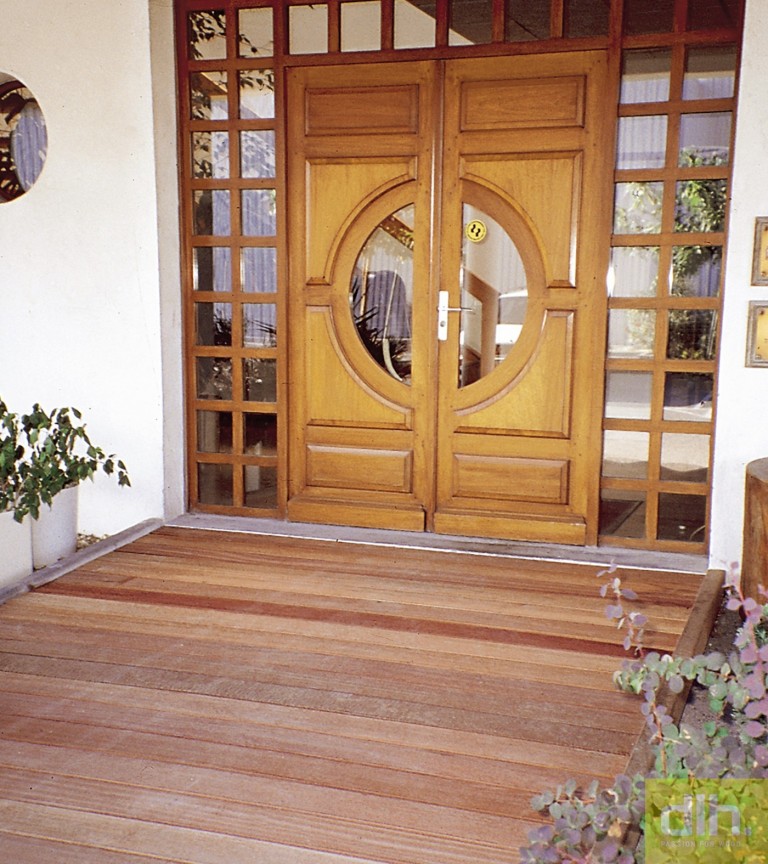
760 252
757 334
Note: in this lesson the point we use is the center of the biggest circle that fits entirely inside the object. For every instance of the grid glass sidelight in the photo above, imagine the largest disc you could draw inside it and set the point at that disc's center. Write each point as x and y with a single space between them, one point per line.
233 198
671 185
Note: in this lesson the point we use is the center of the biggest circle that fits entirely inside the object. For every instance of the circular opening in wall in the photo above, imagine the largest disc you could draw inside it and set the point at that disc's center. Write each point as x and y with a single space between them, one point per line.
23 139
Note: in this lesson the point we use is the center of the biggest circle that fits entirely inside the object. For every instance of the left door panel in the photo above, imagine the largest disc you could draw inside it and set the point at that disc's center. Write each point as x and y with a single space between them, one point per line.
361 160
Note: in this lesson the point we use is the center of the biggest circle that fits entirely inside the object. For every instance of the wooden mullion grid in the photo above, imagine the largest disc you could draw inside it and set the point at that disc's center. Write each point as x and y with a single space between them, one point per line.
387 25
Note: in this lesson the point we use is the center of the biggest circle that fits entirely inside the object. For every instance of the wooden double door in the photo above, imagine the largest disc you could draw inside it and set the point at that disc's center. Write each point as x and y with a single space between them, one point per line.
447 225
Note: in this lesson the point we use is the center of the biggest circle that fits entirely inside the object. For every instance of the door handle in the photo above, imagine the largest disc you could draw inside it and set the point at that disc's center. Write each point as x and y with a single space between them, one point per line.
442 314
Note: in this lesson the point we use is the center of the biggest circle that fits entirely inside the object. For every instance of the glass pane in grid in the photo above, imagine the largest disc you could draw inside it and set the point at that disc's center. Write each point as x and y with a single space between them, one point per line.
640 16
709 14
526 20
631 333
308 29
696 271
710 73
213 323
628 395
634 271
637 208
256 36
260 485
259 380
692 334
641 142
257 153
682 517
214 378
361 26
688 396
645 76
211 268
471 23
257 94
259 434
210 155
214 484
705 139
207 35
258 212
259 325
622 513
625 454
208 96
415 24
586 18
211 213
700 205
684 457
214 432
258 269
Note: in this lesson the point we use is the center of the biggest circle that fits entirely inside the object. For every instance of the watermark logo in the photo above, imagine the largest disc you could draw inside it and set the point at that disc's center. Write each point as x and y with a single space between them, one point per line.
706 821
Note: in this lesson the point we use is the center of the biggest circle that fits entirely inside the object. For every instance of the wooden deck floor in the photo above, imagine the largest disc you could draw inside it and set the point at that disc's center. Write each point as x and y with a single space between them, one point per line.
234 699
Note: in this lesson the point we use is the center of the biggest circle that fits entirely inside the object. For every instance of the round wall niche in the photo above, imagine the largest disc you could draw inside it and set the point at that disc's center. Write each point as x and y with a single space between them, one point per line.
23 139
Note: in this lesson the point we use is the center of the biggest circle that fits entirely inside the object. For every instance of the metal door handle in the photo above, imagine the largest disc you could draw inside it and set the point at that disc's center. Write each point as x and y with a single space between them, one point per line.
442 314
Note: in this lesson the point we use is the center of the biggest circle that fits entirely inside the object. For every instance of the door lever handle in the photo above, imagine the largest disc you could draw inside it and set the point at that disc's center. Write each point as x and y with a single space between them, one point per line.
442 314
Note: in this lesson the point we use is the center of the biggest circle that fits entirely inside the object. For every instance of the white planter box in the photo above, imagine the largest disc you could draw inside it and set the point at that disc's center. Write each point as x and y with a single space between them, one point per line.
54 533
15 549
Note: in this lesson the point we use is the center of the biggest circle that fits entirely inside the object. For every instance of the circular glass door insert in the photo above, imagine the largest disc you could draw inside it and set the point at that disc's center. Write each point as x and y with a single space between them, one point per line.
381 293
494 295
23 139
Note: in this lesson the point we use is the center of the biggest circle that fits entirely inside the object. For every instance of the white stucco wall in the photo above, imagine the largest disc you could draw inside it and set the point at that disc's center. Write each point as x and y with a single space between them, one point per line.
742 402
88 261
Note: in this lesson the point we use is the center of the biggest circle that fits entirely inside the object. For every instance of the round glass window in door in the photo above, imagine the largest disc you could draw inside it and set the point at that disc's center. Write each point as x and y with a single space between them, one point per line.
494 295
23 139
381 293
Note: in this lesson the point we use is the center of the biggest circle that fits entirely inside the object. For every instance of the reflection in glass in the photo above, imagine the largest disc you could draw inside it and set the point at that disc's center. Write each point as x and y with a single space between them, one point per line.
637 208
696 271
361 25
645 76
211 215
259 325
631 333
23 139
710 73
214 484
688 396
682 517
257 94
471 23
381 293
256 38
622 513
586 18
705 139
641 142
625 454
258 212
260 434
308 29
684 457
214 378
705 15
258 269
211 268
210 155
214 432
634 271
700 205
692 334
415 25
206 35
213 324
208 95
494 297
640 16
527 20
259 380
628 395
257 153
260 486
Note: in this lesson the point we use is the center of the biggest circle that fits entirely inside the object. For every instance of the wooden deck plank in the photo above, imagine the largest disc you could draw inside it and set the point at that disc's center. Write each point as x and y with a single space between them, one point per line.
208 697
